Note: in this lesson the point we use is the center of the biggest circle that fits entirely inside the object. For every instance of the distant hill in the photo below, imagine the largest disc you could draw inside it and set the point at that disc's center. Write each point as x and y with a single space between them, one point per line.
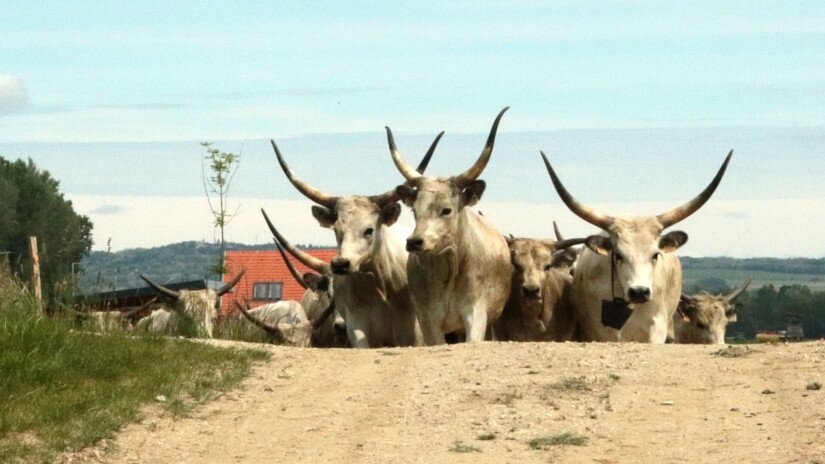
102 271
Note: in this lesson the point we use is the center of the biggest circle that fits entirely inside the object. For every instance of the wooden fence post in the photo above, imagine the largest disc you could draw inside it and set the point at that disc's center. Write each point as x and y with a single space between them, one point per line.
36 284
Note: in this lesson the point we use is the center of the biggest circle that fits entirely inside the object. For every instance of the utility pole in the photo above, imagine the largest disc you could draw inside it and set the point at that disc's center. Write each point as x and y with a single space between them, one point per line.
37 288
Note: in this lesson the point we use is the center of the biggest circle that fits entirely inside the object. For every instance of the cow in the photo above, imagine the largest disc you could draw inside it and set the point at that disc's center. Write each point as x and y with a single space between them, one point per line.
193 311
286 323
565 260
538 308
629 279
370 267
703 318
332 333
459 266
109 321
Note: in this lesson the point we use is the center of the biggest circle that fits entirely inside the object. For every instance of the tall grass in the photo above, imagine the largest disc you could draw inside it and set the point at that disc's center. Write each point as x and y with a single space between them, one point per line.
62 388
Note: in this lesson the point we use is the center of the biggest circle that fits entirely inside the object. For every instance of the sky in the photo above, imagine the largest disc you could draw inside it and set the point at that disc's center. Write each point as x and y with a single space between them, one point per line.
636 104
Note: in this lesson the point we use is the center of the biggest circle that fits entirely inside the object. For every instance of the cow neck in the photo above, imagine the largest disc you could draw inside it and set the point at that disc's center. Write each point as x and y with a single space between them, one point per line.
619 299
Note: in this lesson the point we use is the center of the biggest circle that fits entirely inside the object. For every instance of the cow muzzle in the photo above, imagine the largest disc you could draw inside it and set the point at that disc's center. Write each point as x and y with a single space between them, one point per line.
341 266
531 291
639 294
415 244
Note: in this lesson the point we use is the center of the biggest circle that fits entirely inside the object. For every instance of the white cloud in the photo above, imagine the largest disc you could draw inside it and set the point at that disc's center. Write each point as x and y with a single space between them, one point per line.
13 96
738 228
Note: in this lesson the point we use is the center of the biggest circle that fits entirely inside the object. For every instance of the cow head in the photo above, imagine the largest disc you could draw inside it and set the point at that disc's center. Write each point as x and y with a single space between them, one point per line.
356 220
438 202
201 306
706 317
636 244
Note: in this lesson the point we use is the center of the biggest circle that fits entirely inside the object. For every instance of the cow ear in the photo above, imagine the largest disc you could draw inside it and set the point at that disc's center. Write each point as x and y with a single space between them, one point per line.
316 282
599 244
325 216
672 241
407 194
389 213
472 192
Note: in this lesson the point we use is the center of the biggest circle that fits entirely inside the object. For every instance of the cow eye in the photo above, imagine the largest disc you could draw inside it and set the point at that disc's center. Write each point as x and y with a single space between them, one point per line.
368 232
619 257
548 267
446 211
656 256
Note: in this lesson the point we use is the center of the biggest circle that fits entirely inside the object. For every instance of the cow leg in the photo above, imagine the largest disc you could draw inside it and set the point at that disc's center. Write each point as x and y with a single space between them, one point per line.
475 323
405 327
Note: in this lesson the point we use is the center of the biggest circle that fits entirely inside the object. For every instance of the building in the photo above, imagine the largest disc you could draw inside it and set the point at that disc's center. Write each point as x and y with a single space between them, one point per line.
267 278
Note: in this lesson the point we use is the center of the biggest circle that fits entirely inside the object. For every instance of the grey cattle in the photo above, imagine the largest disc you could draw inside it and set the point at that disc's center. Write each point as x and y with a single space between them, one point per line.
459 267
539 307
193 311
370 285
631 261
286 322
703 318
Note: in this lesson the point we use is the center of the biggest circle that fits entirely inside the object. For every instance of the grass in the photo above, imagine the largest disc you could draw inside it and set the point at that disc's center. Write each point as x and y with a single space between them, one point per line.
64 389
730 351
543 443
572 384
508 397
486 436
461 447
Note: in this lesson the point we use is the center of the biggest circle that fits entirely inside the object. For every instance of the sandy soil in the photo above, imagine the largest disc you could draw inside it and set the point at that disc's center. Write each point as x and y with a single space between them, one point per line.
632 403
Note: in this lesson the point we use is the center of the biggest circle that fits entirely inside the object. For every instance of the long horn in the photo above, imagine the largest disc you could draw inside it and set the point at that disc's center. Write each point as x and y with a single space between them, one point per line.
732 296
562 244
295 274
160 288
318 321
392 195
231 284
309 191
590 215
557 231
477 167
274 330
406 170
677 214
310 261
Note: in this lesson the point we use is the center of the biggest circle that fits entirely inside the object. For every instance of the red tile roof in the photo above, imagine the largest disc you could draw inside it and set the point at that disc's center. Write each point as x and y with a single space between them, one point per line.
264 266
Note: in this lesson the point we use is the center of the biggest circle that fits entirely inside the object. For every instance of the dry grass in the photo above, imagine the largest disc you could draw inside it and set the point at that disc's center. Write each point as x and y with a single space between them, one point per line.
543 443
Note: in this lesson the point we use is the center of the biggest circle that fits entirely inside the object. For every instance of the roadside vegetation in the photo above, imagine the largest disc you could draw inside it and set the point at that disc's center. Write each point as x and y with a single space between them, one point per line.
64 389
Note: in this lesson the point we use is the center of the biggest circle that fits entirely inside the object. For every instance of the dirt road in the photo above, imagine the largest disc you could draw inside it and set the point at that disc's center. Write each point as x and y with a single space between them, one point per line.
624 403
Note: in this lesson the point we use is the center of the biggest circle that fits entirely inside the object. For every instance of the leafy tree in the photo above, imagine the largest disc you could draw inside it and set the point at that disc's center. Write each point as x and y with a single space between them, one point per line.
222 166
31 204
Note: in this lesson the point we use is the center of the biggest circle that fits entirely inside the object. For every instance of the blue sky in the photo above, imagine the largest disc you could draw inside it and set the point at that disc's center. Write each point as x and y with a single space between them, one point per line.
646 97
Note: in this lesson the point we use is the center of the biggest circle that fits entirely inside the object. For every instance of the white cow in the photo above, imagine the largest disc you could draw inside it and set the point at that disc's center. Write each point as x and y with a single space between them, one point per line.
370 285
193 313
629 277
459 267
703 318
